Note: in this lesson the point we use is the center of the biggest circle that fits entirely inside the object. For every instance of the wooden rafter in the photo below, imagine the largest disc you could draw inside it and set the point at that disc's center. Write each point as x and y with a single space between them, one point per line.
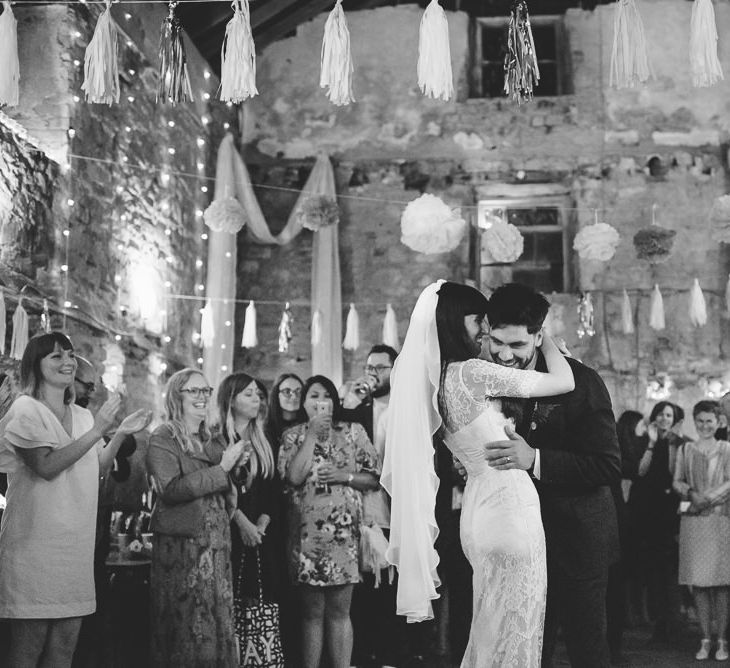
305 12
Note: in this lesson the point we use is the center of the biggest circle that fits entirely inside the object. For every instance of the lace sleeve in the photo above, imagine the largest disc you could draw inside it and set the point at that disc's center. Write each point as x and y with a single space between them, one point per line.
487 379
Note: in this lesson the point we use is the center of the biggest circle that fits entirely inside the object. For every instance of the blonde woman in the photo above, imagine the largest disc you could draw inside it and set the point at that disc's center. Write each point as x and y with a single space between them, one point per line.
191 587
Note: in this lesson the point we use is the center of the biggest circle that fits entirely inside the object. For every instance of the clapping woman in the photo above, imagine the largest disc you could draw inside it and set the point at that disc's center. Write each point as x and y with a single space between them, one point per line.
191 589
53 453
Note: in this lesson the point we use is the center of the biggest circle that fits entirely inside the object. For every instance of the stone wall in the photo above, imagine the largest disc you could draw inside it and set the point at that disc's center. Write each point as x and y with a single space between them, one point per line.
107 175
597 143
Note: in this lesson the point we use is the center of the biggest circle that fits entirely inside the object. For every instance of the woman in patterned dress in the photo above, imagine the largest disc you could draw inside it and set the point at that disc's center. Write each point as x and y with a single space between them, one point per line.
326 464
191 588
702 477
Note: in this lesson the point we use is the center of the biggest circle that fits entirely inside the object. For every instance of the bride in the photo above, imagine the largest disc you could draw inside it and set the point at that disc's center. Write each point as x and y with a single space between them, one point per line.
438 383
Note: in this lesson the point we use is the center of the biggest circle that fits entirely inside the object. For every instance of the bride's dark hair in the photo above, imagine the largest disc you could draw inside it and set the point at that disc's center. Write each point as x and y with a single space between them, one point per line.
455 302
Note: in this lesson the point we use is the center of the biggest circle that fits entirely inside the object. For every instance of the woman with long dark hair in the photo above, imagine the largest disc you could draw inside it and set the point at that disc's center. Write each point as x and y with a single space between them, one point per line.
285 408
438 383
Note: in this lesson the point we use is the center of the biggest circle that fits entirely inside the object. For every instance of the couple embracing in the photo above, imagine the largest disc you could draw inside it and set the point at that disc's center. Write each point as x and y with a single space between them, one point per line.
538 523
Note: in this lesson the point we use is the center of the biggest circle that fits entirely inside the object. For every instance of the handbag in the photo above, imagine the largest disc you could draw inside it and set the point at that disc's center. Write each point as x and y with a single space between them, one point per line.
257 627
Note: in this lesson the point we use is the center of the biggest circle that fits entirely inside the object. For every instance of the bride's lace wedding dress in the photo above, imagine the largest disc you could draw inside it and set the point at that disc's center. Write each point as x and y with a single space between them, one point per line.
501 528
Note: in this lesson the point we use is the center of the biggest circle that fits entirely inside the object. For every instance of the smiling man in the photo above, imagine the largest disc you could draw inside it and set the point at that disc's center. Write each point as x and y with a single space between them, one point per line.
569 445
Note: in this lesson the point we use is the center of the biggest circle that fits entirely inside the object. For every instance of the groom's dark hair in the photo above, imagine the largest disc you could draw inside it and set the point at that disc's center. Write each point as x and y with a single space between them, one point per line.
517 304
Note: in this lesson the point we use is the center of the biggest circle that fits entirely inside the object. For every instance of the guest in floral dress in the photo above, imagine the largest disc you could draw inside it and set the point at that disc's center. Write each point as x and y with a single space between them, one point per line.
191 588
326 464
702 477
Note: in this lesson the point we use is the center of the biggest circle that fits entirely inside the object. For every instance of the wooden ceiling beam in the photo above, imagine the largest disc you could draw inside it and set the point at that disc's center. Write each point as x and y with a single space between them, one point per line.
264 11
305 12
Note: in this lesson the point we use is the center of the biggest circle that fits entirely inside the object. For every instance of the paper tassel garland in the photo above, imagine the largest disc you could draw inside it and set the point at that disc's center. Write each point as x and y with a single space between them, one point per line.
249 338
238 57
207 326
225 215
503 241
390 328
520 63
704 63
627 315
3 326
434 55
352 330
174 83
285 334
316 328
656 311
585 316
45 318
19 339
697 306
101 71
336 59
629 59
428 225
9 63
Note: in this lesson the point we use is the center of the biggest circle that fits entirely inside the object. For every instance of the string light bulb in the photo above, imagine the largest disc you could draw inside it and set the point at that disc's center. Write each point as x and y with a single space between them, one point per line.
118 337
170 124
200 141
70 202
206 74
204 236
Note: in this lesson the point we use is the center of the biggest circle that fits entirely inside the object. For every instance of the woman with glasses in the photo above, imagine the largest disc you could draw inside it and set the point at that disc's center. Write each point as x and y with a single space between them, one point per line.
327 464
285 408
191 587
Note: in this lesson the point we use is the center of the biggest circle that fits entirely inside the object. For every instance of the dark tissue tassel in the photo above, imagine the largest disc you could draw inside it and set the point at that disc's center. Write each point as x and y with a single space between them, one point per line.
520 64
174 83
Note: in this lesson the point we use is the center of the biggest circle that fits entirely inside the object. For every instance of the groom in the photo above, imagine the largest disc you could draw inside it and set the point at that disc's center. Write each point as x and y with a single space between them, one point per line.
568 444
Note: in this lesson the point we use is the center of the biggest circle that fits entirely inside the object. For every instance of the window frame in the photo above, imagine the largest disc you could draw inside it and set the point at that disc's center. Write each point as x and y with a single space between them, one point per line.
561 56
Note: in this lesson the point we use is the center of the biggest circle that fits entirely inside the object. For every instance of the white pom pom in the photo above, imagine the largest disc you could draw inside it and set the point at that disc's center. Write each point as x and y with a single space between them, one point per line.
9 63
596 242
249 339
207 326
352 330
390 328
101 70
656 312
336 59
434 55
429 226
225 215
503 241
19 339
629 59
627 314
238 57
697 306
704 63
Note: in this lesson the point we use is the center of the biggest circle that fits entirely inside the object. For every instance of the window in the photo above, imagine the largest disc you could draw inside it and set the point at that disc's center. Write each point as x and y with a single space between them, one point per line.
543 222
490 46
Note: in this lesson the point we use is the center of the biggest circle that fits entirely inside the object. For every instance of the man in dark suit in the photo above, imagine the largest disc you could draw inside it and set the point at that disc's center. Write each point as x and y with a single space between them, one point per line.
568 443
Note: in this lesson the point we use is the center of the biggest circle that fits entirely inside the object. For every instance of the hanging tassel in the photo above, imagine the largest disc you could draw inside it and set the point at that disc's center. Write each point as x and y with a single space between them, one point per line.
390 328
697 306
101 73
434 55
727 298
521 73
629 58
656 313
249 338
238 57
19 340
704 63
174 83
3 326
9 63
585 316
352 330
285 335
627 316
45 318
336 72
316 328
207 326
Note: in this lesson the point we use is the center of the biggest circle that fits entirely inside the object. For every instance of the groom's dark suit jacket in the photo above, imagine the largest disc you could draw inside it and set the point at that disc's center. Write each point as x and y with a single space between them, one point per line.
579 461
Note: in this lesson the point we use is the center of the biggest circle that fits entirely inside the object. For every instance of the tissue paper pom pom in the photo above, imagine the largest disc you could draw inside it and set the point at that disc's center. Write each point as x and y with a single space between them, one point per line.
596 242
318 211
225 215
720 219
504 241
429 226
654 243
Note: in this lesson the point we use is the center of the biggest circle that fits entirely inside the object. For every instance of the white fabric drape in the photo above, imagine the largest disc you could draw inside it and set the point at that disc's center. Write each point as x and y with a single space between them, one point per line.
233 180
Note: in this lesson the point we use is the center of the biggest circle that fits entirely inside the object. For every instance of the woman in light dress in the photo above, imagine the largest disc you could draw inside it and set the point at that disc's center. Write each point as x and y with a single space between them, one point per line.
438 383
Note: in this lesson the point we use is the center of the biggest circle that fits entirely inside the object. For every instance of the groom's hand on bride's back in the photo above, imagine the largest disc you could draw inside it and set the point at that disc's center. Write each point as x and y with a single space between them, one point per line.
513 453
